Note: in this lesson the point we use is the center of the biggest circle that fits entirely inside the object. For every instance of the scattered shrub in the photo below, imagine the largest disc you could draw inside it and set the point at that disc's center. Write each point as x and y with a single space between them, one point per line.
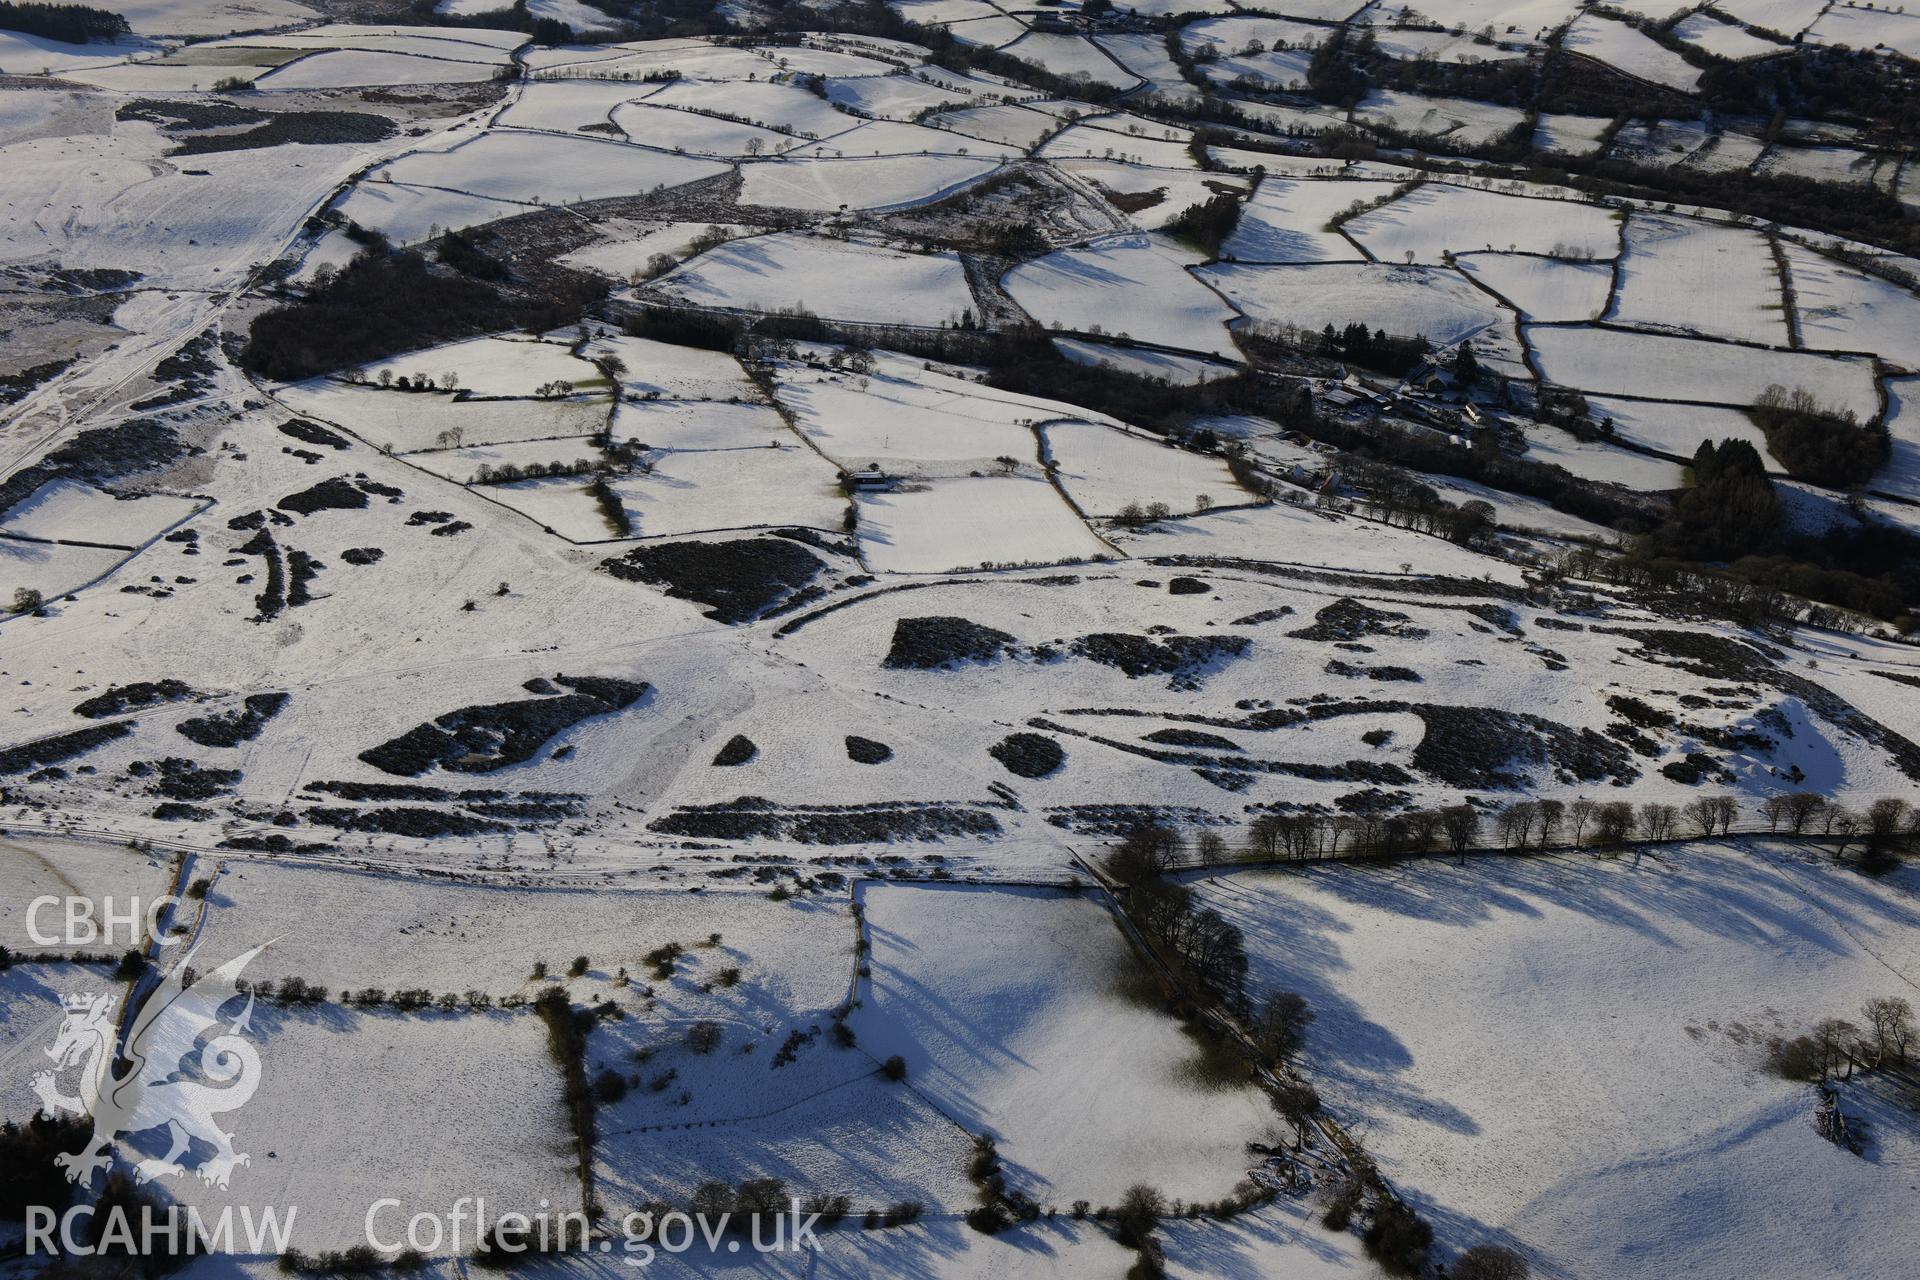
1489 1262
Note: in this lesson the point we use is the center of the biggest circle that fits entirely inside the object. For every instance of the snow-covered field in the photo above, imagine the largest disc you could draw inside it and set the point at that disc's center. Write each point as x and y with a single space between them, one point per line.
1410 300
342 68
1286 221
489 366
1694 277
544 169
409 214
626 255
1171 191
1447 119
1543 288
1436 219
1091 141
966 522
1072 56
1569 1053
1619 45
1164 304
96 872
1868 27
1706 32
68 511
660 370
1901 475
1012 124
349 1102
1104 470
865 182
1652 366
1019 1043
842 279
1841 309
52 570
933 423
699 424
687 492
1677 429
784 107
347 929
406 421
30 1014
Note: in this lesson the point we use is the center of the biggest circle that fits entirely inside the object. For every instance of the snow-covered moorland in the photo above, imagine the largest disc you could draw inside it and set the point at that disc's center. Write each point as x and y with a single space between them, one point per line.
828 615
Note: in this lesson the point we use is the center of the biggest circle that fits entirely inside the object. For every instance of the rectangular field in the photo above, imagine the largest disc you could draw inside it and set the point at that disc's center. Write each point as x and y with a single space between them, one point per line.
966 522
1653 366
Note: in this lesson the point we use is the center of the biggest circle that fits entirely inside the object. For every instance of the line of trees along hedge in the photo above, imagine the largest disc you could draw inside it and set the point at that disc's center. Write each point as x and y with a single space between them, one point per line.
633 20
67 23
1211 949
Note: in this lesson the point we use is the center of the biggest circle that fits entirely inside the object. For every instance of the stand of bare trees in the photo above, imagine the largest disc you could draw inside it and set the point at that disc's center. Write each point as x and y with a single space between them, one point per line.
1200 940
1882 831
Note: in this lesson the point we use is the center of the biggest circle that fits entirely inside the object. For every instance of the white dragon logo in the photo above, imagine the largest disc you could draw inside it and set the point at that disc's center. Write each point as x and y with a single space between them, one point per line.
163 1044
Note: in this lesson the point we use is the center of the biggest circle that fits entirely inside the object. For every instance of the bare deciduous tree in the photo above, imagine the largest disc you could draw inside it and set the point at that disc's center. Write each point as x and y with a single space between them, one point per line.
1801 807
1516 823
1145 854
1580 813
1551 813
1424 825
1281 1028
1891 1021
1462 825
1837 1041
1773 809
1726 807
1886 822
1613 823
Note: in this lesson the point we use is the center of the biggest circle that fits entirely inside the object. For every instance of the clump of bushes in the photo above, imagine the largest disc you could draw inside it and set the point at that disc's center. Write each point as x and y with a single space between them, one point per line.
867 751
1398 1239
736 579
738 750
1029 755
360 1260
932 643
1816 443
